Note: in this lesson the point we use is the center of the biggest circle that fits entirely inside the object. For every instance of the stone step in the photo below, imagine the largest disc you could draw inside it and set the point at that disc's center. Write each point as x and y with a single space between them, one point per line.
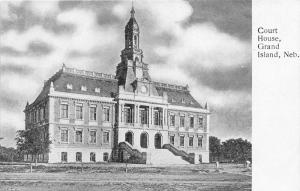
164 156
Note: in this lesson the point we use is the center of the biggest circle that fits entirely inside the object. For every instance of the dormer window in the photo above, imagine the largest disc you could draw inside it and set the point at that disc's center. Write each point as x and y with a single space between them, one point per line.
97 90
182 100
83 88
69 86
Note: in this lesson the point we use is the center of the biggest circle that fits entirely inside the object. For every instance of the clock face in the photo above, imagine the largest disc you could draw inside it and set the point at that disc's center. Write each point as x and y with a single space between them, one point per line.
144 89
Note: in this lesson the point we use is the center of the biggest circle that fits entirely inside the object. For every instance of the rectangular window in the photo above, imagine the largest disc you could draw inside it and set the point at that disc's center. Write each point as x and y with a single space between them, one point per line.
181 121
105 137
92 136
143 116
64 157
201 122
156 117
172 140
93 113
106 114
92 157
191 140
79 110
64 135
78 136
181 140
78 157
172 120
191 122
42 113
200 140
128 115
38 115
64 111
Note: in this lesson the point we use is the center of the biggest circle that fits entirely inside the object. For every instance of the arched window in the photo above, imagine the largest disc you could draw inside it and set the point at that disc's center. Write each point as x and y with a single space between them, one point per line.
135 40
144 140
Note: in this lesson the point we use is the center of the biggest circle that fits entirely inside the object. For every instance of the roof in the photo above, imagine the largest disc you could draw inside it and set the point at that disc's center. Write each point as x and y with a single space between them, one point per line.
108 85
179 97
77 78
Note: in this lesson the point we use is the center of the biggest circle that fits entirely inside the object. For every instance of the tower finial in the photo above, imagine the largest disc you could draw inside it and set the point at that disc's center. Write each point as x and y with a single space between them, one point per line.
132 9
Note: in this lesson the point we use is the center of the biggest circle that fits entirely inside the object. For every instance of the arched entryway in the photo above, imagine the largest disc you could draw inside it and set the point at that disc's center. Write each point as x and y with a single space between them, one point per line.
157 140
129 137
144 140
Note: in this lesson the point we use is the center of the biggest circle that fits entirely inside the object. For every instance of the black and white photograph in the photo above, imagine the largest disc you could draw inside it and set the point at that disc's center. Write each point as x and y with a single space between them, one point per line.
126 95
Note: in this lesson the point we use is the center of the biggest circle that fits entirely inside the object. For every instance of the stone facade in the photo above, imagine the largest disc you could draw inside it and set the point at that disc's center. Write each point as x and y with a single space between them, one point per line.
87 114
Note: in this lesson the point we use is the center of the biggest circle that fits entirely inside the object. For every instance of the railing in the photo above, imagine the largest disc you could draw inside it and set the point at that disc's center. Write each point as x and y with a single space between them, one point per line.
88 73
185 156
171 86
130 155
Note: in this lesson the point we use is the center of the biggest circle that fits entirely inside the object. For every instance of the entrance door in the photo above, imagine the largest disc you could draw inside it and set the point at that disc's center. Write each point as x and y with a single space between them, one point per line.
157 141
129 137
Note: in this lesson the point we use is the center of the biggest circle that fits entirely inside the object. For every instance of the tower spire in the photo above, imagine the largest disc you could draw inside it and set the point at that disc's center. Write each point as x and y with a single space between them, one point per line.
132 9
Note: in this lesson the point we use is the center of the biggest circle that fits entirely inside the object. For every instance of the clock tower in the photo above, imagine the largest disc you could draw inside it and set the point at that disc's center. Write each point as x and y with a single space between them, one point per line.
132 72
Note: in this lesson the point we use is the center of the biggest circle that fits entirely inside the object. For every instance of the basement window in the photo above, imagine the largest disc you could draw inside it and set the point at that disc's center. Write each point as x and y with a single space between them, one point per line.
83 88
69 86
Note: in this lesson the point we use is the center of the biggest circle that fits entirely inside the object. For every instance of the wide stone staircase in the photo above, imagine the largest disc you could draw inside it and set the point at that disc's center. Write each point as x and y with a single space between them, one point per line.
165 157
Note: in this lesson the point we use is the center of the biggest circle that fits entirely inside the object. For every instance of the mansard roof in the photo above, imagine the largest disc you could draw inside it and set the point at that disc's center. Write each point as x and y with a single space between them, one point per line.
77 78
108 85
178 95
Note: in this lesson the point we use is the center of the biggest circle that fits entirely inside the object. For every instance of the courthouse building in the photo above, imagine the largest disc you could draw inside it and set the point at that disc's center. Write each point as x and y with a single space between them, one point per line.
127 117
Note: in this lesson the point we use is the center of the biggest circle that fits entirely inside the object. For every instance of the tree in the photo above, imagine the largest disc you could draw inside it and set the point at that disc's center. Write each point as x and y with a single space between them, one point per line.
214 148
237 150
33 141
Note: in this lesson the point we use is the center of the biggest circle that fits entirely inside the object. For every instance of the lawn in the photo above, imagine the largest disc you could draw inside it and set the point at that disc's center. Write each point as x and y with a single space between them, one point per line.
113 177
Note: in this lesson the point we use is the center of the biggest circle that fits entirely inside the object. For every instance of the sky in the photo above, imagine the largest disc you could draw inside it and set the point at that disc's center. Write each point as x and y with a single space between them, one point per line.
205 44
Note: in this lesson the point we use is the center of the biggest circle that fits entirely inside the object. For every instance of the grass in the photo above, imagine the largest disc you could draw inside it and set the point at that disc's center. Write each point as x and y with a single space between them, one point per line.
112 176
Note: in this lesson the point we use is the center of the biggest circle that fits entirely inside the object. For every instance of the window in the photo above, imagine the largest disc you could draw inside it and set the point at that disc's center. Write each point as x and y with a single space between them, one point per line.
105 156
181 140
64 157
181 121
93 113
200 140
172 140
156 117
191 122
78 136
128 115
92 136
201 121
191 139
64 111
79 109
144 140
38 115
182 100
143 115
42 113
106 114
105 137
78 157
69 86
97 90
64 135
172 120
83 88
92 157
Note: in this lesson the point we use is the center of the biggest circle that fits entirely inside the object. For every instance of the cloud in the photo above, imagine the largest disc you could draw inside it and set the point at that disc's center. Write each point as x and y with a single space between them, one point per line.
37 38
